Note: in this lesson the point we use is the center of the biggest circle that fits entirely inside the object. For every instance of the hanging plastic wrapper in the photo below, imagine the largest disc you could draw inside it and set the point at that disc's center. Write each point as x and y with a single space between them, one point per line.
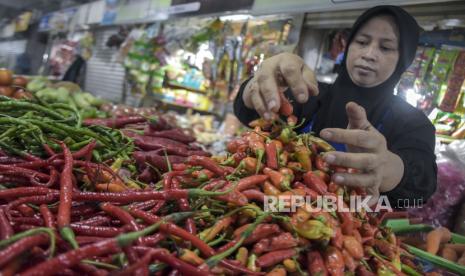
441 208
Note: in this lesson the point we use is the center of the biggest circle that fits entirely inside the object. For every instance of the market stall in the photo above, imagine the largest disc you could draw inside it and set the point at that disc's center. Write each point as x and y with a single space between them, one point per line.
122 154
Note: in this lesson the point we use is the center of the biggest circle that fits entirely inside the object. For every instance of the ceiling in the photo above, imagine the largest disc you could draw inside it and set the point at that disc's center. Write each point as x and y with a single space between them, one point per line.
10 8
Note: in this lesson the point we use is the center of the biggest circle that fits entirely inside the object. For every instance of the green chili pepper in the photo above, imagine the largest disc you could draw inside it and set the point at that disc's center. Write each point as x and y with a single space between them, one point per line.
314 230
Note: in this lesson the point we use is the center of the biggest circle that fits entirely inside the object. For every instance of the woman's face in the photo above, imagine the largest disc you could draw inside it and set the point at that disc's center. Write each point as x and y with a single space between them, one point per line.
374 52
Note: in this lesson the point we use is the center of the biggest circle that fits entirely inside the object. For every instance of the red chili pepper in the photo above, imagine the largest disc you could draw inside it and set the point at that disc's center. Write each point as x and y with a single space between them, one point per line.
175 230
292 120
234 197
308 192
48 198
334 261
207 163
48 150
282 241
120 214
14 250
174 134
272 154
25 210
6 230
286 109
251 182
72 257
324 176
95 221
363 271
316 265
66 195
275 257
277 178
349 261
320 164
99 231
18 171
315 183
131 196
28 220
261 231
184 206
115 122
253 194
353 247
258 147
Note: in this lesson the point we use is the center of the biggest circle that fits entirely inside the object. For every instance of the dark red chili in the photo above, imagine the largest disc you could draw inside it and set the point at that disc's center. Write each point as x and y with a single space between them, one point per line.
174 134
164 256
47 215
99 231
120 214
334 261
6 230
25 210
271 151
50 152
316 265
73 257
115 122
251 182
131 196
207 163
283 241
254 195
275 257
41 199
22 245
184 206
315 183
95 221
175 230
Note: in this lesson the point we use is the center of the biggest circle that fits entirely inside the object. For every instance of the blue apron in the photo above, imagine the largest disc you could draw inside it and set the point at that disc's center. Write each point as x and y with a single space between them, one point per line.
342 147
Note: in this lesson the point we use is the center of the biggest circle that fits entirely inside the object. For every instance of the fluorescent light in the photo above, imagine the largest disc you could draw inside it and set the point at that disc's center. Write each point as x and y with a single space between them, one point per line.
235 17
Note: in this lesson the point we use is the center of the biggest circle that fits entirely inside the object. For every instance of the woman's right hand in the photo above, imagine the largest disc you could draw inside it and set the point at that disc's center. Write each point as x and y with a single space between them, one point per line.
274 75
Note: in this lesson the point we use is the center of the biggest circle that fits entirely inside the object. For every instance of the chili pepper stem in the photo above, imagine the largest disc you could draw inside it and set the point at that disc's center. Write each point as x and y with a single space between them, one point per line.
31 232
128 238
260 153
214 260
410 271
68 235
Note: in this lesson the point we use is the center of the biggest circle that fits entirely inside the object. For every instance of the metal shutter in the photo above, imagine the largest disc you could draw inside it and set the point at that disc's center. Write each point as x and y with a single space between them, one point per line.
9 50
425 14
105 76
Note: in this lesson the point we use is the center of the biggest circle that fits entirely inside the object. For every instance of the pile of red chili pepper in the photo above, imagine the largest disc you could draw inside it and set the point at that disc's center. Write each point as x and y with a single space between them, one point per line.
65 214
204 217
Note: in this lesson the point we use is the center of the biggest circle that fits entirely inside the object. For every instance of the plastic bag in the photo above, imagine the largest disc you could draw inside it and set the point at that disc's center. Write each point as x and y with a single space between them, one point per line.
442 206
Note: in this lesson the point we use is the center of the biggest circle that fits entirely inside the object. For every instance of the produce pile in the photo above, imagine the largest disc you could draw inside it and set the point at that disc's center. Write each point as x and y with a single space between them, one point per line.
66 92
32 130
13 86
438 242
193 215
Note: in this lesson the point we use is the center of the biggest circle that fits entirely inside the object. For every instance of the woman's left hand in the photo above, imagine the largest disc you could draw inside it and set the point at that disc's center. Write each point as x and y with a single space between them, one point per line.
367 152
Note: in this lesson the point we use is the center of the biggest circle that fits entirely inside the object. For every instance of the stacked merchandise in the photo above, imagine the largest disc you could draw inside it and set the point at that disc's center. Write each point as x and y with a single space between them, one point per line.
434 83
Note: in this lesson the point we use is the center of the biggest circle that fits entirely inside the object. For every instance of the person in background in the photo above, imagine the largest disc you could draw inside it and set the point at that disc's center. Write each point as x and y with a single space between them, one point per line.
390 142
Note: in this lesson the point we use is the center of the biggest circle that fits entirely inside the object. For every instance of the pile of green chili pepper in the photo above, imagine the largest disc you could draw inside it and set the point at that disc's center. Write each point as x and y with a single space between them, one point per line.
29 127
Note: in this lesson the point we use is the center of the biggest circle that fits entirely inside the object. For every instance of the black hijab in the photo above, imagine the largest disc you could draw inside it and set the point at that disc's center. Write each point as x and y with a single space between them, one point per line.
376 100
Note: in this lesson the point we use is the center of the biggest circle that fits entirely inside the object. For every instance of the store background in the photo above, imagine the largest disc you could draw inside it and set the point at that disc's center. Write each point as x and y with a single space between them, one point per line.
190 56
